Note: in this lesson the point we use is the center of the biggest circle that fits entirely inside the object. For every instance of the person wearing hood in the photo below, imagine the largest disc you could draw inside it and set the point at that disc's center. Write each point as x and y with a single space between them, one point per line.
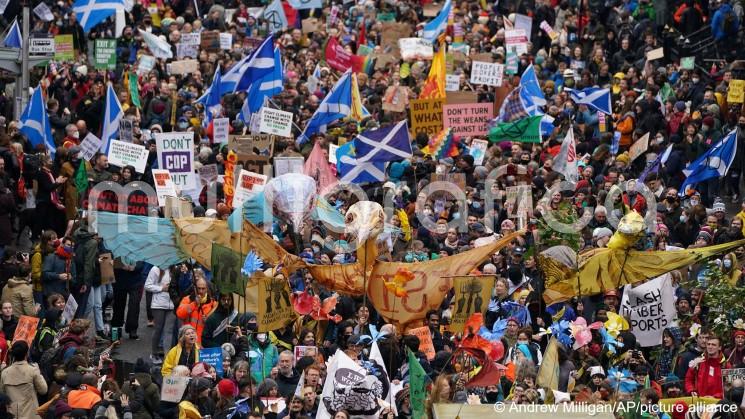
719 23
731 268
215 331
197 306
58 271
263 356
665 361
142 388
18 292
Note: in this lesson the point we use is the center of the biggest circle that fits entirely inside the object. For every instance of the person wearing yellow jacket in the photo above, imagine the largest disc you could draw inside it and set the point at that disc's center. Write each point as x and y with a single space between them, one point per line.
186 351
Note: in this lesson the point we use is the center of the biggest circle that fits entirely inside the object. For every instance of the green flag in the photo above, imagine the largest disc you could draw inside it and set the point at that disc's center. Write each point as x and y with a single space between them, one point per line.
134 94
81 178
417 391
526 130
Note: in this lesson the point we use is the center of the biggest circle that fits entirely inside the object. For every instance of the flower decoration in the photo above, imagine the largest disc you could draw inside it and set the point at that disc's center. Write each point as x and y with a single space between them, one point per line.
398 285
581 332
496 332
560 330
739 324
305 304
622 380
694 330
609 342
615 324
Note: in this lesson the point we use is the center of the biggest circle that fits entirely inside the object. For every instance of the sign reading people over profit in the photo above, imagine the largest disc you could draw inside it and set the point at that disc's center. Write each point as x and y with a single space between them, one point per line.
426 116
490 74
650 308
471 119
176 154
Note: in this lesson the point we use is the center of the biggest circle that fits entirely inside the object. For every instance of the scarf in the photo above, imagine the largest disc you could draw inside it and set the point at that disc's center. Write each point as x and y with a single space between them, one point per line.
60 251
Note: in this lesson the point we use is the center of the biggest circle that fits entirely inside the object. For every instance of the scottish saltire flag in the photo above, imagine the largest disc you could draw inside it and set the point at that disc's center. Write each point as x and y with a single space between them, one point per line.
594 97
14 39
250 69
712 164
652 167
35 122
531 93
436 26
354 170
92 12
566 161
306 4
112 116
268 86
336 105
211 98
384 144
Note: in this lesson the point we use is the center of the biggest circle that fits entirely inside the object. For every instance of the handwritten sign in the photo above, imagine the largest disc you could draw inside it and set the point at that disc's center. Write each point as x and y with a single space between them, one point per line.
173 389
639 147
220 130
249 184
258 145
650 308
184 67
207 173
275 121
736 91
127 154
471 119
452 82
226 41
425 341
71 306
176 154
490 74
415 49
26 329
426 116
163 186
472 295
90 146
210 41
284 165
478 151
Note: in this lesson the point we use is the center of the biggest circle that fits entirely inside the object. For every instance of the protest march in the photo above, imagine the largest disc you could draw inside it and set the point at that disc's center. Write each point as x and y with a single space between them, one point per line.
409 209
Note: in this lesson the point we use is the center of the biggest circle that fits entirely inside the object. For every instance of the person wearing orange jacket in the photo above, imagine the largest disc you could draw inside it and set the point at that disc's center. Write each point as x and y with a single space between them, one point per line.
196 307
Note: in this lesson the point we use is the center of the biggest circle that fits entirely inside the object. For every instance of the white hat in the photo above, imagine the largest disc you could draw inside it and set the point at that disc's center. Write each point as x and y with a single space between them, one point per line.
211 213
597 370
601 232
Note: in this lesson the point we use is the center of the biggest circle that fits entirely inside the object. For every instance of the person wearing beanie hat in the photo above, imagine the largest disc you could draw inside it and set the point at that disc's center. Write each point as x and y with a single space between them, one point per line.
736 352
227 389
186 351
622 160
61 409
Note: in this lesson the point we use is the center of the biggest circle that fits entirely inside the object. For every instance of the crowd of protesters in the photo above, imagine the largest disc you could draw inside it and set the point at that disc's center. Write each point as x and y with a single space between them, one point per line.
50 252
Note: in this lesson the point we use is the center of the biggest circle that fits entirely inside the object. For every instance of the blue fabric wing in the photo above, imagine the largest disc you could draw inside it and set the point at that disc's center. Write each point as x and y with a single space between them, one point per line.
609 341
135 238
496 332
251 264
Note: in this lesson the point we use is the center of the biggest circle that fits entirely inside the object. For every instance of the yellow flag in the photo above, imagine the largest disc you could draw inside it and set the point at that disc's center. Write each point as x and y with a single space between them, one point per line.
434 86
356 112
548 374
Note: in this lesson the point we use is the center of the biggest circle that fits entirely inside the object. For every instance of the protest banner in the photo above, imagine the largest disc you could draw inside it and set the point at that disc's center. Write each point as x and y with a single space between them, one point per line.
71 306
105 54
490 74
184 67
210 41
395 99
220 130
127 154
44 12
277 122
213 357
736 91
525 23
64 50
650 308
478 150
390 33
207 174
106 198
89 146
415 49
336 56
284 165
145 64
41 45
425 340
163 186
639 147
549 30
275 308
471 119
126 130
472 295
26 329
426 116
252 145
249 184
173 388
176 154
226 41
516 40
226 265
452 82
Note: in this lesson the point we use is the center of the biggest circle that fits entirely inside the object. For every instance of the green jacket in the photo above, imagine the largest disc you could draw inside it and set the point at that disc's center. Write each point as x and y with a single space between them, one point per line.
86 259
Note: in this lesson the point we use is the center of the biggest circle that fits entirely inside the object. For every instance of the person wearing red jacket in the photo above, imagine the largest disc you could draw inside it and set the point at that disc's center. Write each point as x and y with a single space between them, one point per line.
704 377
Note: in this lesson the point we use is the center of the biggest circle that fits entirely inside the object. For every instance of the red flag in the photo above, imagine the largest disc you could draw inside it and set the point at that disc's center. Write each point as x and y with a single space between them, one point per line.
363 36
290 13
336 57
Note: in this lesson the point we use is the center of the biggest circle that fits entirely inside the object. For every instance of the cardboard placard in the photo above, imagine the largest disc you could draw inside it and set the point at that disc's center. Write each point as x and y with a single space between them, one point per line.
639 147
127 154
549 30
454 98
191 38
145 64
301 351
425 340
332 153
106 265
490 74
184 66
276 122
210 41
26 329
248 185
252 145
426 116
275 308
470 119
485 57
395 99
311 25
126 130
177 208
656 54
390 34
164 186
176 154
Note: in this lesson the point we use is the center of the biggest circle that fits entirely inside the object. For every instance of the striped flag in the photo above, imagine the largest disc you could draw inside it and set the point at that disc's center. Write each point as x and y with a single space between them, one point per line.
112 116
250 69
92 12
35 122
436 26
594 97
336 105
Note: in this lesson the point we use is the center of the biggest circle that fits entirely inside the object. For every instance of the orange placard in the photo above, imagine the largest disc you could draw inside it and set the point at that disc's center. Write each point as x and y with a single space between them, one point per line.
26 330
425 341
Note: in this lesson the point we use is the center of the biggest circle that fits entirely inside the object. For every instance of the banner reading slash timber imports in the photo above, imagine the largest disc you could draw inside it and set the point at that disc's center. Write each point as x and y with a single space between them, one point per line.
472 295
275 308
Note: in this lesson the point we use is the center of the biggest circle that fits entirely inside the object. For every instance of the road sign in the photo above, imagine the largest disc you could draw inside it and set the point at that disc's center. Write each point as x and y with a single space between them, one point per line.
41 46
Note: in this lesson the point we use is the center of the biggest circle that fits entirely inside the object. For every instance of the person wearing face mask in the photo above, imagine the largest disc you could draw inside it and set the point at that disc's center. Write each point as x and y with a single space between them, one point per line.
59 270
262 355
731 269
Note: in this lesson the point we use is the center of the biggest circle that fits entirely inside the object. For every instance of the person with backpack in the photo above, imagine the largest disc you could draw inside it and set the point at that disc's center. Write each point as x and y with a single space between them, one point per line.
47 334
725 23
157 284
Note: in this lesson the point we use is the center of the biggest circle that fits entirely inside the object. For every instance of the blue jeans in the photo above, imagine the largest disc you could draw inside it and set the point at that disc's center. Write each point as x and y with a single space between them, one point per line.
95 304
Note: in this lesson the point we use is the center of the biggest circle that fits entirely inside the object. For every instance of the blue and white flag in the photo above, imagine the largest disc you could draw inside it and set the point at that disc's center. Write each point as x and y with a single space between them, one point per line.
384 144
547 125
531 93
112 116
336 105
713 164
306 4
594 97
14 39
354 170
251 68
436 26
158 47
275 17
35 123
211 98
92 12
269 86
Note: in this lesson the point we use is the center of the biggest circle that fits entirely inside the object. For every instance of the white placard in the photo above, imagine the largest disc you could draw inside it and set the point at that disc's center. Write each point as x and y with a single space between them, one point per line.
220 129
489 74
478 151
226 41
176 154
173 388
525 23
127 154
191 39
249 184
650 308
89 146
516 40
415 49
276 122
452 82
146 63
163 186
332 153
44 13
70 308
283 165
42 46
